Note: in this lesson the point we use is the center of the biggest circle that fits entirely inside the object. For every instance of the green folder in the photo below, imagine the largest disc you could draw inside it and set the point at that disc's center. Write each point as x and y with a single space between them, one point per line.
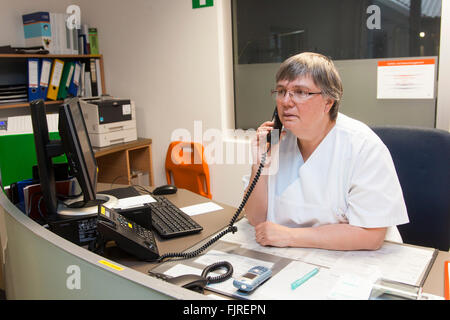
66 77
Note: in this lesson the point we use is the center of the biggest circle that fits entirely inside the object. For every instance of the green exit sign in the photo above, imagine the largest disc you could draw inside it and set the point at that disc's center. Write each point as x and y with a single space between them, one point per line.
202 3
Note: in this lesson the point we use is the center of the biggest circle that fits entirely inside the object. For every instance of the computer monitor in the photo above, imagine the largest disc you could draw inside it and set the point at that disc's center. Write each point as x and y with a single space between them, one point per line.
78 149
45 151
76 145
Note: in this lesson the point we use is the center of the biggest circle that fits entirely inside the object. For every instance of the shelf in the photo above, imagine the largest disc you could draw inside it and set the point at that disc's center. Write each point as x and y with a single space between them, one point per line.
116 163
8 57
69 56
26 104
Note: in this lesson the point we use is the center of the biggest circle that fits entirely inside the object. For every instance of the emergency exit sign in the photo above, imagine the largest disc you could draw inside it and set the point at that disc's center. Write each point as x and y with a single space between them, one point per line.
202 3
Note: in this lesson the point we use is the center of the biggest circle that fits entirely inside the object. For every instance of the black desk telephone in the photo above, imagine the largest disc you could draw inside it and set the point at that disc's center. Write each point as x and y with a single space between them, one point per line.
127 234
130 235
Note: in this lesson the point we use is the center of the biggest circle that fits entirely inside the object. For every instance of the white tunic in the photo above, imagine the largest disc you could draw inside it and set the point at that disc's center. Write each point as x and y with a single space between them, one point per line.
349 178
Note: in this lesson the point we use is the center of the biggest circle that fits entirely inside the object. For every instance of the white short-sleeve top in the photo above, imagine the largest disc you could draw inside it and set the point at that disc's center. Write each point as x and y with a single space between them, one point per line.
349 178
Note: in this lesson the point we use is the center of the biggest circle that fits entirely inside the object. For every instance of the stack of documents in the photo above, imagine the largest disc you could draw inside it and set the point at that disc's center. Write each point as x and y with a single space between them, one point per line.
341 274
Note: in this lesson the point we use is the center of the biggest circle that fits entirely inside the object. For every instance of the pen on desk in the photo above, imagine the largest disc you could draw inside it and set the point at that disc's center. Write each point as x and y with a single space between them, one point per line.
306 277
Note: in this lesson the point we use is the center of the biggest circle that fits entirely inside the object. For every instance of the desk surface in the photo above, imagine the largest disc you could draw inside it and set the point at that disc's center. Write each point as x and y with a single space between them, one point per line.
211 222
216 221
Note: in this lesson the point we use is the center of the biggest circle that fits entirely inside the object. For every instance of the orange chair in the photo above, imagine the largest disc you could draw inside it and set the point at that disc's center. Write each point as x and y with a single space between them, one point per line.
186 165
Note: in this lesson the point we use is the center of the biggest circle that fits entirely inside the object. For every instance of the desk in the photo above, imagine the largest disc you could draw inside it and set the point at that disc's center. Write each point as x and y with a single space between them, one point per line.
215 221
117 163
25 243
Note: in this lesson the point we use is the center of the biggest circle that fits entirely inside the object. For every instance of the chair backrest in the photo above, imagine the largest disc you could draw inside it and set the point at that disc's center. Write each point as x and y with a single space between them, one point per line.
422 160
185 163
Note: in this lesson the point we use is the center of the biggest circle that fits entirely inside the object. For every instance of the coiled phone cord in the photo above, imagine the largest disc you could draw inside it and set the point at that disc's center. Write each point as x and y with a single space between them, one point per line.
231 227
216 266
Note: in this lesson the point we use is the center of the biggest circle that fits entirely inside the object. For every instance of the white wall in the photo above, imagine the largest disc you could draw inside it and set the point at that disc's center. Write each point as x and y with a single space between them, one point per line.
175 62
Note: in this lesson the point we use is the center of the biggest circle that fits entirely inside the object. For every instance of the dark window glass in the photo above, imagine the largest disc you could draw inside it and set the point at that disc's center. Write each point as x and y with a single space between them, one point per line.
354 33
271 31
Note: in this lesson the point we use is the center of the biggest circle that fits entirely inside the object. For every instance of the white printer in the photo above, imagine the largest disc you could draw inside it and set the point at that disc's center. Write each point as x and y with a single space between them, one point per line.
109 120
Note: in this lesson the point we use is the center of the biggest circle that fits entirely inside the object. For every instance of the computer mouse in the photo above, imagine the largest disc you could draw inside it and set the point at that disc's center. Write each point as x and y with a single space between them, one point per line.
165 189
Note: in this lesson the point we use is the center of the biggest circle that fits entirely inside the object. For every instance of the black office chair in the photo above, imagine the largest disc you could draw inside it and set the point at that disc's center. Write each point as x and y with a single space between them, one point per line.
422 160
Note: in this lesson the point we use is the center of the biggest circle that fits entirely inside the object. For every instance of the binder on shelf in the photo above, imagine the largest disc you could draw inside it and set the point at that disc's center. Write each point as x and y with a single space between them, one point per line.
82 45
37 29
94 81
66 78
81 89
99 77
84 31
93 41
46 65
55 79
54 44
33 79
87 84
75 82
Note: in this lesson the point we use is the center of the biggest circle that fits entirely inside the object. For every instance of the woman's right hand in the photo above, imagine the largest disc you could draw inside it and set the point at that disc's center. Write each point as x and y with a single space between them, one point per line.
260 143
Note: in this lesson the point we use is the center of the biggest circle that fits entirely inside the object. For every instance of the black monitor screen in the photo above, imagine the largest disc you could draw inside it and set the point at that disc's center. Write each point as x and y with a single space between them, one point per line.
85 144
46 149
77 146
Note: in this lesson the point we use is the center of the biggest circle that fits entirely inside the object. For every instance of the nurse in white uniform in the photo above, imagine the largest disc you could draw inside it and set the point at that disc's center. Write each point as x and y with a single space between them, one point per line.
335 186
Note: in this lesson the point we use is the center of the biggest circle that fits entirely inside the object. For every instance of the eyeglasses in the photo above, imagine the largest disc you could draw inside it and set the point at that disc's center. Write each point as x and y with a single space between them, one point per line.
297 95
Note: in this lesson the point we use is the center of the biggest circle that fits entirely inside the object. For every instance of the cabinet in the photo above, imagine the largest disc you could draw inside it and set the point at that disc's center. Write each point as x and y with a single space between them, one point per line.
13 70
118 164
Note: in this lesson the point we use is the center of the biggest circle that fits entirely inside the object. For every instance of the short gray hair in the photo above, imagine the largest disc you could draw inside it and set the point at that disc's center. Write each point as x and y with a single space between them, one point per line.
322 71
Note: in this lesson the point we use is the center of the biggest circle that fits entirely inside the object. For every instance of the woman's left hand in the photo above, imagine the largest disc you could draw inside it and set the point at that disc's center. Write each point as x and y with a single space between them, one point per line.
271 234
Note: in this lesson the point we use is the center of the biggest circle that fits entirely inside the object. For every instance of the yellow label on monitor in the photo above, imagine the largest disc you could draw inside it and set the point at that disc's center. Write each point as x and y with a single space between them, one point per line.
111 265
130 225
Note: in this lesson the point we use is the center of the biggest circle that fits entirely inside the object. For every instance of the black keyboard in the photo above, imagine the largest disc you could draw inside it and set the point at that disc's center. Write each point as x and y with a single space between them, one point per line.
169 221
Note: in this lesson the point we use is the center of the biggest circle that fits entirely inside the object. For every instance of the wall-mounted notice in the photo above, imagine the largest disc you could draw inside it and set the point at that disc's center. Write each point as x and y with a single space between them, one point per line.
406 79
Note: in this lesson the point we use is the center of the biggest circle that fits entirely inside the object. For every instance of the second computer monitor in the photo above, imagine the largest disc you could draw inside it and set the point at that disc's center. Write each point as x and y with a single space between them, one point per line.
78 149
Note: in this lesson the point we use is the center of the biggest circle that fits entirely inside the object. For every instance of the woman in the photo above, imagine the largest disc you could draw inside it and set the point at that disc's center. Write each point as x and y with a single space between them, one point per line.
336 186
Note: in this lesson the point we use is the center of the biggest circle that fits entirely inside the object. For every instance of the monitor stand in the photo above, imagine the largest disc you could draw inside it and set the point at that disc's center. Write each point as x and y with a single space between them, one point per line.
77 208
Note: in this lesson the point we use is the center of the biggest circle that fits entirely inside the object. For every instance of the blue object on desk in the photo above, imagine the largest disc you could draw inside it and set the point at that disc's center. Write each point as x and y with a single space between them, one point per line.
252 279
302 280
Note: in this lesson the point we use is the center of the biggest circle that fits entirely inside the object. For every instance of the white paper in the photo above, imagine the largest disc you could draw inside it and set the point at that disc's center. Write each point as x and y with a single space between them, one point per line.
394 261
351 287
406 79
45 73
33 74
279 286
201 208
181 269
57 71
132 202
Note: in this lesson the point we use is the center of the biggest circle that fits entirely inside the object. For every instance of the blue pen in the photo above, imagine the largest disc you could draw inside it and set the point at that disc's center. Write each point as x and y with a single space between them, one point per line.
302 280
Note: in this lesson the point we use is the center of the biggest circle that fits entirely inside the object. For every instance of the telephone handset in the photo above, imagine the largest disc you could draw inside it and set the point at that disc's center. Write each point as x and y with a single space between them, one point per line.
231 227
277 126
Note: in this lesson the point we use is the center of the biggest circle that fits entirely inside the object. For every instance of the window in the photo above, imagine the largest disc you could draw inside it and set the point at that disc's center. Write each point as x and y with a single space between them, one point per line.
266 32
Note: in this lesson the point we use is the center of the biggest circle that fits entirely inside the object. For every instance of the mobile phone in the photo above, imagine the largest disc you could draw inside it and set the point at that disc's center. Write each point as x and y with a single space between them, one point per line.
252 279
